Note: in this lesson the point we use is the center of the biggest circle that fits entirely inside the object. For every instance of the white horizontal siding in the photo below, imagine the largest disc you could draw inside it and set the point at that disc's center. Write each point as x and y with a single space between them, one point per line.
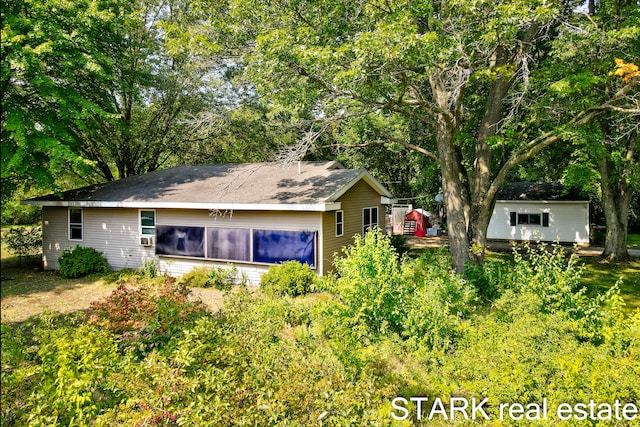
114 232
568 222
175 266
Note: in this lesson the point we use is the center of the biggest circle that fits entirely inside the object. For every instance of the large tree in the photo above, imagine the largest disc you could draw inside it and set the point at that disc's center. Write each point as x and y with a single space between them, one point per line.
461 69
57 63
91 88
607 147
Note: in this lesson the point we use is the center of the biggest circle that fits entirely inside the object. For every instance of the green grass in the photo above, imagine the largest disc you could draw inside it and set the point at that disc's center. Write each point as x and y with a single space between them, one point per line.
633 241
599 276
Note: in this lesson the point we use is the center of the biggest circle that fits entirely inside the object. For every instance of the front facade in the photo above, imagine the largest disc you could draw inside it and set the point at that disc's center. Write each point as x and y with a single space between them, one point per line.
252 216
539 212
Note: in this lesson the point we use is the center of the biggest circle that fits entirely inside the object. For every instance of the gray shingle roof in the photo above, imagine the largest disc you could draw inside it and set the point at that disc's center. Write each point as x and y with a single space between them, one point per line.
537 191
309 183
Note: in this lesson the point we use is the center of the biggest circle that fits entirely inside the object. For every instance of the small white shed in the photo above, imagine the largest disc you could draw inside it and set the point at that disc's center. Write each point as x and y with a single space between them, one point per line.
540 212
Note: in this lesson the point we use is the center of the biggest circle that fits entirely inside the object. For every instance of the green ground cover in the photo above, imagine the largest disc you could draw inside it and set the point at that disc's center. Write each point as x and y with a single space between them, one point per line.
384 330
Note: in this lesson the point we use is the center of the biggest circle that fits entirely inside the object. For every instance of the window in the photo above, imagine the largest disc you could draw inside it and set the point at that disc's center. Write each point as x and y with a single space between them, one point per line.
180 241
528 219
369 219
237 244
339 223
229 244
147 223
75 223
276 246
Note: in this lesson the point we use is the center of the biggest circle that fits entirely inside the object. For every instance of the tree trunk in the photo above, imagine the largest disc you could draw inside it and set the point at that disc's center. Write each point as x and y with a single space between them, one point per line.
616 197
456 198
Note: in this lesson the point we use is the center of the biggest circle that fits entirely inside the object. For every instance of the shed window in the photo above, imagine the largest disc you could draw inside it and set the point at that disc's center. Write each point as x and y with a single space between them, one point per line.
529 219
75 223
147 223
545 219
369 219
339 223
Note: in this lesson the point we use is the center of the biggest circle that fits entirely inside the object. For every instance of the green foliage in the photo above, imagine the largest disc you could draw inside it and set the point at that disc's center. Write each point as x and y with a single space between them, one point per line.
149 269
150 355
211 277
289 278
23 241
13 213
370 287
80 261
146 317
441 300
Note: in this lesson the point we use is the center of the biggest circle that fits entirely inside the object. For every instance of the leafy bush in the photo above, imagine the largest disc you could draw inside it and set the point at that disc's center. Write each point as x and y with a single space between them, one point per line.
81 261
210 277
370 286
23 241
441 300
149 269
289 278
146 317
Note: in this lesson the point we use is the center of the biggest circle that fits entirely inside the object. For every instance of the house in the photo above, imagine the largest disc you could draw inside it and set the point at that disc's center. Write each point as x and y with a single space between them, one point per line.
252 215
541 212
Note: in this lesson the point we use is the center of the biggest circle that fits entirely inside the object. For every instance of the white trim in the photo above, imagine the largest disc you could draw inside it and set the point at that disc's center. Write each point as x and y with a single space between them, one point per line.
546 202
140 226
312 207
81 223
373 183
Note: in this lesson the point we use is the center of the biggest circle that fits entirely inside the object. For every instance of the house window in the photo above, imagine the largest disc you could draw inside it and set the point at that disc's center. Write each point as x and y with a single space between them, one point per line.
369 219
147 223
276 246
75 223
339 223
180 241
229 244
545 219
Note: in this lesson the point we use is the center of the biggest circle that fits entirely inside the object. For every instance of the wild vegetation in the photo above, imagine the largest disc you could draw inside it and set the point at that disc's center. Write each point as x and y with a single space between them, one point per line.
385 327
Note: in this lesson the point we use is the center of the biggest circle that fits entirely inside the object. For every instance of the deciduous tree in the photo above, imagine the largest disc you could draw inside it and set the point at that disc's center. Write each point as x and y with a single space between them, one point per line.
462 69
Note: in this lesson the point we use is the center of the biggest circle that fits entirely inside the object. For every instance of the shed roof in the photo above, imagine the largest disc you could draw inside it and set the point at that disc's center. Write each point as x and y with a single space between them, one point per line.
248 186
539 191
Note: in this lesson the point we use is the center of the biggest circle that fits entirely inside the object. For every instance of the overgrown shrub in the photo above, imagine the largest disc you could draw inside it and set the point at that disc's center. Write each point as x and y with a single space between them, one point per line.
82 261
211 277
370 286
441 300
23 241
289 278
145 316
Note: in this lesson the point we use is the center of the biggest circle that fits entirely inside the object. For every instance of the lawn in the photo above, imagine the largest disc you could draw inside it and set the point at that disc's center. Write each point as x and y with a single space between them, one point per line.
633 241
599 276
26 290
